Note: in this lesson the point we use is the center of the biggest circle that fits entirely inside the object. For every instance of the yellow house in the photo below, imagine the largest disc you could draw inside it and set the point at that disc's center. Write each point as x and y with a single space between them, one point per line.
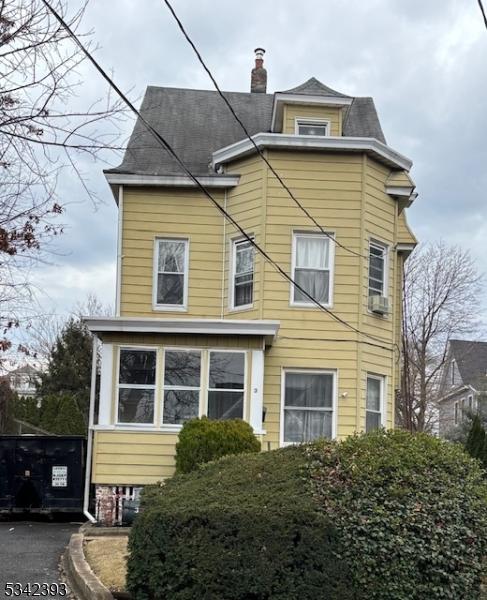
206 323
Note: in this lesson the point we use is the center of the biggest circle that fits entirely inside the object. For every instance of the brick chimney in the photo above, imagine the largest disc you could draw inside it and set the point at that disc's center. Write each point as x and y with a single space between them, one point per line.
258 81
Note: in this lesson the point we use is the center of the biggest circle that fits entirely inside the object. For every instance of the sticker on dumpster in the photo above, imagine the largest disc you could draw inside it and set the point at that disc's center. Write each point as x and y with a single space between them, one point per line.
59 477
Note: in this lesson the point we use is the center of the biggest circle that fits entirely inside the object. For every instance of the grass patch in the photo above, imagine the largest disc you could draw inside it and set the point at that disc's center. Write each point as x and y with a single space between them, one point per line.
107 557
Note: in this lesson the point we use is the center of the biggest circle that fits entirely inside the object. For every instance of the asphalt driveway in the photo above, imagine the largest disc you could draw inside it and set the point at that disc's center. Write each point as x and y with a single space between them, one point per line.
30 552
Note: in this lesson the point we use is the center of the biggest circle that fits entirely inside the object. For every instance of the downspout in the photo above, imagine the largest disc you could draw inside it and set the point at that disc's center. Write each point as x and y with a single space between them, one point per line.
222 312
119 251
89 449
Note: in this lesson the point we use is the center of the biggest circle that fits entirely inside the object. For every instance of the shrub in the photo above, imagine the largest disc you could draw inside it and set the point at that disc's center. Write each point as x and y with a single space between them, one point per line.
242 528
204 440
411 511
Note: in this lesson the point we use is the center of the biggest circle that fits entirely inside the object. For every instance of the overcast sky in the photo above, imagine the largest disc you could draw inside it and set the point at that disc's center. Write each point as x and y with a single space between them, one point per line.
424 63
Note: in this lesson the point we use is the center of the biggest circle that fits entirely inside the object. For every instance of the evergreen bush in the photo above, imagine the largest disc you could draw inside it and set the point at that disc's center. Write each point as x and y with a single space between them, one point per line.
411 511
204 440
242 528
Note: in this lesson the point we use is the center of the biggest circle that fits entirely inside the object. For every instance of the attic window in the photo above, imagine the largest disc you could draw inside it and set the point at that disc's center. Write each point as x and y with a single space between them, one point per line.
317 127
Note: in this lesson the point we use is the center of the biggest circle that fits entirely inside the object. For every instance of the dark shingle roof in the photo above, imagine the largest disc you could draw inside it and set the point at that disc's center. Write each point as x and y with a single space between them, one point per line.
197 122
471 359
313 87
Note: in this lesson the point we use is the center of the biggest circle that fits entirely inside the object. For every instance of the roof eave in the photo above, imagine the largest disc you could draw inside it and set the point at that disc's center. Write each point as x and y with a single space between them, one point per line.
279 141
263 328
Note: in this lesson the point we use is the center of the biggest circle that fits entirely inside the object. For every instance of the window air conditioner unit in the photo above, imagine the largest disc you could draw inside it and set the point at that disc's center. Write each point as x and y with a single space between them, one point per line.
379 305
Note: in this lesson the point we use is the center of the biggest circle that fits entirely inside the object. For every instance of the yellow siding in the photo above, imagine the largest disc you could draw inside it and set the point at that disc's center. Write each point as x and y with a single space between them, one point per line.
329 113
400 178
148 214
404 234
346 194
132 458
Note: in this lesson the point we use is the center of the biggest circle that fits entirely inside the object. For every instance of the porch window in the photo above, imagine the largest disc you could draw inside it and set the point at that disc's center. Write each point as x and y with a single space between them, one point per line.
182 381
374 402
171 273
136 385
243 274
377 269
226 382
308 406
312 268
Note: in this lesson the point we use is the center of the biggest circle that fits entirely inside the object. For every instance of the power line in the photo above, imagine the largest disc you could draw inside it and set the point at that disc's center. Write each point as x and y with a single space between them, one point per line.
183 166
247 134
484 15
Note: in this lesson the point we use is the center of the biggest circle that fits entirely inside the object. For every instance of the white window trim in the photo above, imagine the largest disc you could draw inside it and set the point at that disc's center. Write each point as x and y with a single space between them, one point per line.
311 121
383 387
331 246
119 386
231 282
456 412
155 270
178 426
334 408
208 388
385 247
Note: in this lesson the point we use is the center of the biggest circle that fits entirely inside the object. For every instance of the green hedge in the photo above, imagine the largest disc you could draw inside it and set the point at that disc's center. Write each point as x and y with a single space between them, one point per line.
204 440
242 528
411 511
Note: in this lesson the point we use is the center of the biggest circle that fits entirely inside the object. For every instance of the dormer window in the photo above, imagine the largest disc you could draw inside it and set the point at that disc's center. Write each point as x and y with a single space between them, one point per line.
312 127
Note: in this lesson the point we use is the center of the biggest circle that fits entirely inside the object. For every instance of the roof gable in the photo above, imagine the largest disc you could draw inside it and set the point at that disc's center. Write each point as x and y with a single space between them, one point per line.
471 360
314 87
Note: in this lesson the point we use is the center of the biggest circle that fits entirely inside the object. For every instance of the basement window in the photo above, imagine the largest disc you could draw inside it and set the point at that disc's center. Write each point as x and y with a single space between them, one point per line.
316 127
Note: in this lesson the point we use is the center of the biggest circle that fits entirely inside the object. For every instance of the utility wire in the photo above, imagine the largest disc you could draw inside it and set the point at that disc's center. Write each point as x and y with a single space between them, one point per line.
252 141
483 12
183 166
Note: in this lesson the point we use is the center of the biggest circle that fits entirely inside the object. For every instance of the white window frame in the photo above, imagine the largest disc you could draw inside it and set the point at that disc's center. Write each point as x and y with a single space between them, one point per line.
331 267
334 408
385 284
244 389
155 272
382 411
120 386
234 242
311 121
455 412
164 387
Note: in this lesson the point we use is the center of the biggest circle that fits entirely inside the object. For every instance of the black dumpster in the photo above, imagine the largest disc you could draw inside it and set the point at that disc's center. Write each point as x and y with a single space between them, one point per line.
41 473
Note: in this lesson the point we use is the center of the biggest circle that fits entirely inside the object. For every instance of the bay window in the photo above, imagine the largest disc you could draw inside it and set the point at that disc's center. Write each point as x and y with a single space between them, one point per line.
374 402
312 268
308 406
242 280
136 386
171 273
377 269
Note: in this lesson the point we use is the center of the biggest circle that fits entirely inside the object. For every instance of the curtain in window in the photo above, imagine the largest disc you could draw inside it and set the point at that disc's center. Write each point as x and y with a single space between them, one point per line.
312 258
307 406
170 277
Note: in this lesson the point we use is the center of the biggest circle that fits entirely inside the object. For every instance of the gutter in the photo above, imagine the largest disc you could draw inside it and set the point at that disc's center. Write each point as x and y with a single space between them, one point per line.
89 449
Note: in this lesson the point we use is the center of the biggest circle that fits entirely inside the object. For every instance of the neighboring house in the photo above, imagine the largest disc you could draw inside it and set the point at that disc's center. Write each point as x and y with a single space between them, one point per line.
204 325
23 380
464 378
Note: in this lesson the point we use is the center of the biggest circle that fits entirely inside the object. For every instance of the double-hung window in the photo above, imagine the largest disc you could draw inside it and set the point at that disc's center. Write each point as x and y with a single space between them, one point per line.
136 385
305 126
312 268
455 413
377 269
182 386
226 383
242 293
308 406
171 273
374 412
